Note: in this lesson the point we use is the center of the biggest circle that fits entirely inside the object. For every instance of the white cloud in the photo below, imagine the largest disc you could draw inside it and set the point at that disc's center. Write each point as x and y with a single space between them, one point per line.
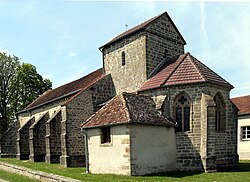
71 54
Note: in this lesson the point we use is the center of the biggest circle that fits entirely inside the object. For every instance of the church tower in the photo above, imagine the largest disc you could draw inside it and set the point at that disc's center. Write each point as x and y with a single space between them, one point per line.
132 56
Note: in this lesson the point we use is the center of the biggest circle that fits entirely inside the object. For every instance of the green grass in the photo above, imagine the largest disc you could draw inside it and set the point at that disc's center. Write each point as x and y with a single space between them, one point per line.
242 174
14 177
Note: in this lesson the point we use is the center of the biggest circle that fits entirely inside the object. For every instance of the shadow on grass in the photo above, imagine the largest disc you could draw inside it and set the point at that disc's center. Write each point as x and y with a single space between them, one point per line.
176 174
242 167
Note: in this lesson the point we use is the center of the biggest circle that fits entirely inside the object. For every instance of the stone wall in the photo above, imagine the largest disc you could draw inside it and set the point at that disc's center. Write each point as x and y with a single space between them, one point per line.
77 111
144 50
131 76
53 138
23 148
202 148
102 91
162 41
37 133
8 144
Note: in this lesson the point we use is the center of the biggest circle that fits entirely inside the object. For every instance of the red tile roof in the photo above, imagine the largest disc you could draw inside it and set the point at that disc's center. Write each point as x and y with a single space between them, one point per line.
128 108
183 70
243 104
68 89
142 26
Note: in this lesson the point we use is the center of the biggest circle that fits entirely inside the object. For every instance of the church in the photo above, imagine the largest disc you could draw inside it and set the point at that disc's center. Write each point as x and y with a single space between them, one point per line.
151 108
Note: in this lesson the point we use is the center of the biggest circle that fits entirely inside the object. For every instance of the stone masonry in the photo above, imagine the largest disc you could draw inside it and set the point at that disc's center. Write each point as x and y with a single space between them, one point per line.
74 113
8 147
162 43
144 50
53 138
23 148
37 132
202 148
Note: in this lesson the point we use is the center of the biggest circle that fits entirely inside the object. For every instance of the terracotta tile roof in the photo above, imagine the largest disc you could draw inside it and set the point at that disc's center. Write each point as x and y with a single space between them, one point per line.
243 104
183 70
142 26
68 89
128 108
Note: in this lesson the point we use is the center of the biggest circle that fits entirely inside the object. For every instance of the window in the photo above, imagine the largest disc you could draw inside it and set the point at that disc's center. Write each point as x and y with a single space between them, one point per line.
105 135
245 135
123 58
220 115
182 112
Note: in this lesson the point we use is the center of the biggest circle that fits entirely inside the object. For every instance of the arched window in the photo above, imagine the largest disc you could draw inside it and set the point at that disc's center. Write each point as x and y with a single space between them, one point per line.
220 113
182 112
123 58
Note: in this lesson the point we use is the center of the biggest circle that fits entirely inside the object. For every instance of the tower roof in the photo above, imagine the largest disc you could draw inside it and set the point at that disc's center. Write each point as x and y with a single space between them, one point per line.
184 69
140 27
128 108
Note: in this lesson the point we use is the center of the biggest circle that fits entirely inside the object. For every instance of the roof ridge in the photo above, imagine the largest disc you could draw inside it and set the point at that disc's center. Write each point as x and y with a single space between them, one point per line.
44 93
81 90
196 66
142 26
206 79
65 90
126 106
132 30
175 67
77 79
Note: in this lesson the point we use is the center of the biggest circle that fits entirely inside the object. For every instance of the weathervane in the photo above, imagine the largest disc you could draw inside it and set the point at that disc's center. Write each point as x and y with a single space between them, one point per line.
126 27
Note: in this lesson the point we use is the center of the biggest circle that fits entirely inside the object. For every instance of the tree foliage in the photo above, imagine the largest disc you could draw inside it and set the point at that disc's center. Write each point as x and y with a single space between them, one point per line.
20 85
8 70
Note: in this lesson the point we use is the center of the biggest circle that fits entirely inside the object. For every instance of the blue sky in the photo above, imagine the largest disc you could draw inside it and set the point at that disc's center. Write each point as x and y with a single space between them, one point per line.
61 38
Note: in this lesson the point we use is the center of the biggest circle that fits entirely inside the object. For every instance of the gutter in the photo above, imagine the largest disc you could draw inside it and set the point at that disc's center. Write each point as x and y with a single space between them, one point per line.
86 149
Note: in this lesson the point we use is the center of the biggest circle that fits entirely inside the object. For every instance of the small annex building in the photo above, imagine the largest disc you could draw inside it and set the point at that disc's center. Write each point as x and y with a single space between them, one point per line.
243 104
119 131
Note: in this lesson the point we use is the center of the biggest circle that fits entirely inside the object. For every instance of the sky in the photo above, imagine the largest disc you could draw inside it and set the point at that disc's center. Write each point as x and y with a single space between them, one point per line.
62 38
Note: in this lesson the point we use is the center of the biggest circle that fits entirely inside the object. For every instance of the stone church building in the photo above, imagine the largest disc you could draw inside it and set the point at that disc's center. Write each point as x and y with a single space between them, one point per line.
150 101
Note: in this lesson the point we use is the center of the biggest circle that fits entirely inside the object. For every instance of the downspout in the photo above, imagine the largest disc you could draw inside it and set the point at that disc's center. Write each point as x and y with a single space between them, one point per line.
86 149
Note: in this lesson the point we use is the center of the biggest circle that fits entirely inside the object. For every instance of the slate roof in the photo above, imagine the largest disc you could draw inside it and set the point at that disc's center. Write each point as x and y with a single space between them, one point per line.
140 27
243 104
69 89
128 108
184 69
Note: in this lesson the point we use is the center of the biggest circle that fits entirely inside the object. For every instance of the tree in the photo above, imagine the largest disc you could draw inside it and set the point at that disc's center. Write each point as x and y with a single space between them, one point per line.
30 85
20 85
8 70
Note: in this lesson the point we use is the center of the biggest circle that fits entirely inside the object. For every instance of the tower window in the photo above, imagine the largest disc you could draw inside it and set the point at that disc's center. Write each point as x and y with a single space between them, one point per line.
182 112
123 58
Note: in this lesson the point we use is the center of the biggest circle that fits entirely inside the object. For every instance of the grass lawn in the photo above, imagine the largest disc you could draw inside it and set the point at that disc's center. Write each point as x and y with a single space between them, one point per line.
15 177
243 173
